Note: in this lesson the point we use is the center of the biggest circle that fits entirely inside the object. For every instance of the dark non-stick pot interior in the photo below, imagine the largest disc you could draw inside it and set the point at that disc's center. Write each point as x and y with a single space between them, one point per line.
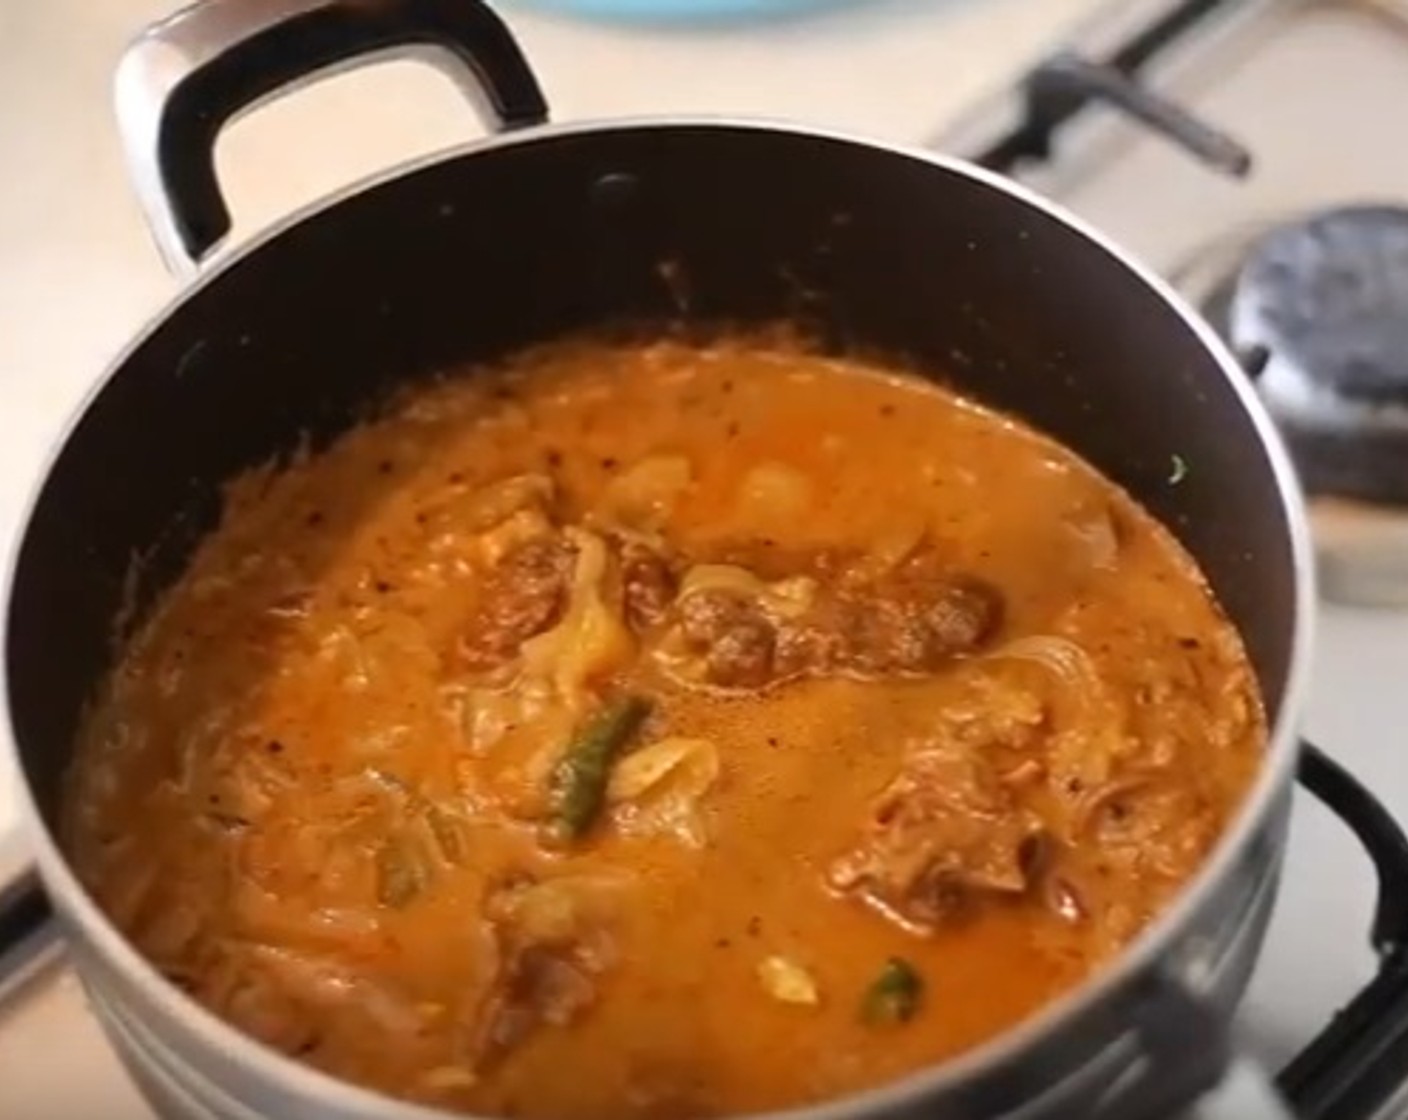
492 250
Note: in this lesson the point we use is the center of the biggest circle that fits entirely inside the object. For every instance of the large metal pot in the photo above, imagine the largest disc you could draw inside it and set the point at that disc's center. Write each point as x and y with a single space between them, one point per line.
547 229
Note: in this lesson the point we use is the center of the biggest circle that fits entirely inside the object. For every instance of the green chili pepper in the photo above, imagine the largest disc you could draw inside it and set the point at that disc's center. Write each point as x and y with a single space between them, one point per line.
894 996
580 779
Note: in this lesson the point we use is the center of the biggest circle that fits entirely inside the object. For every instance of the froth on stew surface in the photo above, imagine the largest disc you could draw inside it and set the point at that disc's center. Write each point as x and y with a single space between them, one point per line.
661 731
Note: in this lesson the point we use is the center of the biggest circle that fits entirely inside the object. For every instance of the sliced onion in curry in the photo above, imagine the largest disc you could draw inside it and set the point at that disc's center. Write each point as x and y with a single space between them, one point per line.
374 780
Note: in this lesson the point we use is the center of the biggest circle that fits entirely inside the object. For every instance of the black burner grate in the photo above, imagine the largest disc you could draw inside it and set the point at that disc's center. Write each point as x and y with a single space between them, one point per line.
1060 89
1357 1063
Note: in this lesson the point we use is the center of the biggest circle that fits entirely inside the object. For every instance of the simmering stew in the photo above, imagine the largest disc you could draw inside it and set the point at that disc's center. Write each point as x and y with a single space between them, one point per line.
661 730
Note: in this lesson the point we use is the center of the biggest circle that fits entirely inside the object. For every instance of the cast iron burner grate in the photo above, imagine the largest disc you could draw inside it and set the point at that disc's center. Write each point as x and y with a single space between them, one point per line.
1356 1063
1061 88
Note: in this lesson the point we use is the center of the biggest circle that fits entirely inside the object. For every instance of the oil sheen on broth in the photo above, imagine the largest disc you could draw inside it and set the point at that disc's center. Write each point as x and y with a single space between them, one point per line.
661 731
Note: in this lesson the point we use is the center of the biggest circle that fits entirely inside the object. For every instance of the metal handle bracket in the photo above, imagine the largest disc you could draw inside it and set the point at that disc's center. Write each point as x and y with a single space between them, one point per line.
184 79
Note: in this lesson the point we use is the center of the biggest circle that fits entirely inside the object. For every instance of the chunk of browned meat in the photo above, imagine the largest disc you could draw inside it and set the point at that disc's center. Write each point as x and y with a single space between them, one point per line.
648 586
734 636
538 985
944 831
960 616
524 594
925 617
872 631
898 630
552 944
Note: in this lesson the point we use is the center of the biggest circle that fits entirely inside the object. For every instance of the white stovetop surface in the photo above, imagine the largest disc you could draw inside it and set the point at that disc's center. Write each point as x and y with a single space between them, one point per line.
77 278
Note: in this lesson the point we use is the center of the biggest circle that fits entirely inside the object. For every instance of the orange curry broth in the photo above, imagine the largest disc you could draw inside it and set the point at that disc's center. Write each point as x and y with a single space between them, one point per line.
300 700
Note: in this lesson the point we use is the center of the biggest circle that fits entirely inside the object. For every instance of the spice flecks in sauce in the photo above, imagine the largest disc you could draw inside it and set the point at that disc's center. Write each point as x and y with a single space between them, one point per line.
916 685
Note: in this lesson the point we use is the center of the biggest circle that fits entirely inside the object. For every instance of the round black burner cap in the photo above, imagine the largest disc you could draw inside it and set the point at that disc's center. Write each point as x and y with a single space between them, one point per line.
1327 299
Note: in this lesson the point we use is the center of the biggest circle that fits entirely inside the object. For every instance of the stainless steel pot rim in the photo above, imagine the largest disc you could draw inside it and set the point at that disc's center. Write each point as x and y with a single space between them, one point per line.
1140 958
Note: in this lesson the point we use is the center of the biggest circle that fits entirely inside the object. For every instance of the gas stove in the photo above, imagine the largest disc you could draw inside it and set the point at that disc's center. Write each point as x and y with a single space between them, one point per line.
1239 146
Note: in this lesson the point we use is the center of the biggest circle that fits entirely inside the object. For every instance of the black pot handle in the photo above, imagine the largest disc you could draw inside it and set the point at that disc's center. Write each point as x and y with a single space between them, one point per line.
1353 1069
183 79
